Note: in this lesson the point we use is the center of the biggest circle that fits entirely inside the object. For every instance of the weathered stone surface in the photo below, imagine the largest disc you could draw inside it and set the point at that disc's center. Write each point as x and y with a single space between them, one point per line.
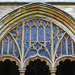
70 9
6 8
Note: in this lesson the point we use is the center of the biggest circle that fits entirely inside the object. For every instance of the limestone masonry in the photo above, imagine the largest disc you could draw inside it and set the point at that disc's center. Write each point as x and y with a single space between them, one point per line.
8 7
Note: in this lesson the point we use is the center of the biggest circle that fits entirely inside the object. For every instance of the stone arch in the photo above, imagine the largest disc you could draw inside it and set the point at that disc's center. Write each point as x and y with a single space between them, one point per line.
42 11
46 11
11 58
9 67
63 58
42 58
39 67
66 66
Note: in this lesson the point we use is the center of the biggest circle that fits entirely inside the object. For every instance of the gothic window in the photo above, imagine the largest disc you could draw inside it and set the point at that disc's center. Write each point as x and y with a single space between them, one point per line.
37 37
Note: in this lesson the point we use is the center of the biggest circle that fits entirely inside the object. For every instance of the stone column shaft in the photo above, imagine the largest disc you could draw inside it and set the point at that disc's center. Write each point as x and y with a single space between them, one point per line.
22 71
53 71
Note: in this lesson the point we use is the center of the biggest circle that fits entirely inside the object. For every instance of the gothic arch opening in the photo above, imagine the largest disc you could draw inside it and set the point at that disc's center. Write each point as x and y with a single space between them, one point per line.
8 68
66 68
37 67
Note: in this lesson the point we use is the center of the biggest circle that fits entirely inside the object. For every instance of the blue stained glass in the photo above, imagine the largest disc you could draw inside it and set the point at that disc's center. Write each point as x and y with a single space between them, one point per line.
37 46
48 46
32 43
31 53
44 23
47 33
19 42
30 23
66 36
33 34
26 46
16 51
11 47
55 42
54 29
63 47
43 53
37 22
5 44
14 34
69 47
19 30
8 36
40 34
26 34
58 51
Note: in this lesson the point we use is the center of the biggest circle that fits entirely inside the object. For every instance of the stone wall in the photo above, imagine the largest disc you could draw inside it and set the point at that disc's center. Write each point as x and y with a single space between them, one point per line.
8 7
70 9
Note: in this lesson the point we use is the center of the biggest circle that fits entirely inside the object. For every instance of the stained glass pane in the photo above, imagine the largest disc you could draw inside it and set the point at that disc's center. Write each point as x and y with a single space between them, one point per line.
33 34
40 34
47 33
19 30
16 51
32 43
26 34
63 47
66 36
43 53
54 29
37 22
5 44
37 46
44 23
11 47
14 34
48 46
26 46
58 51
30 23
31 53
8 37
69 47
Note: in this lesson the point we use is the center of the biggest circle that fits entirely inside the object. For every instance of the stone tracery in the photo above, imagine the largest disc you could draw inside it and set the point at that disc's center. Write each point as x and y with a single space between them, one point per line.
37 37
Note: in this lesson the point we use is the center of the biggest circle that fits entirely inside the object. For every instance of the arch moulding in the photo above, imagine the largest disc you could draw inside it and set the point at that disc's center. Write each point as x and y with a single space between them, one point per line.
63 58
42 58
37 10
34 10
11 58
